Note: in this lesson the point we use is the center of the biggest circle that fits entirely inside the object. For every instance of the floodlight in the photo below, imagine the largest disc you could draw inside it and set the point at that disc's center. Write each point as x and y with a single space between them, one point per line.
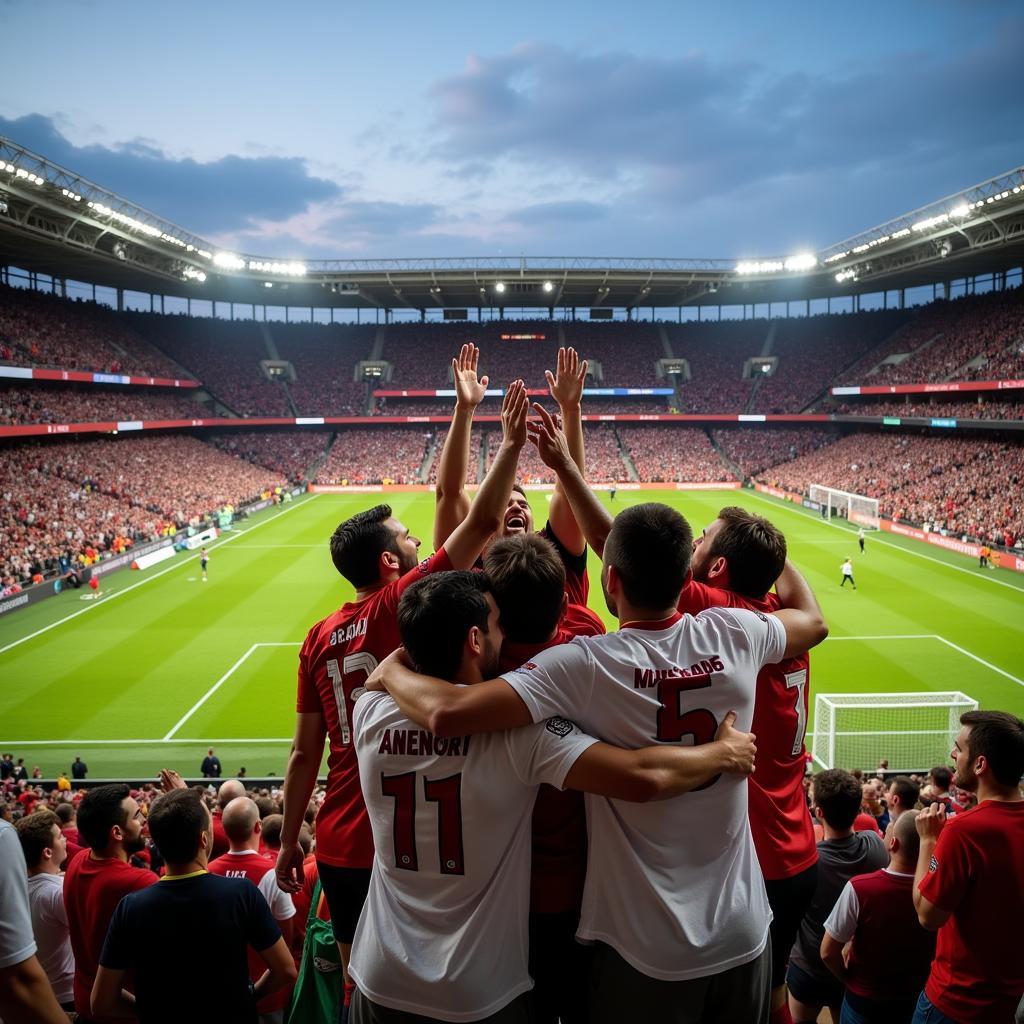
499 286
268 284
548 286
229 261
960 211
803 261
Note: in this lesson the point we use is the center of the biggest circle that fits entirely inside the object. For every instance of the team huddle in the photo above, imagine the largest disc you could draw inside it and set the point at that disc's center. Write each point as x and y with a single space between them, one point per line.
471 699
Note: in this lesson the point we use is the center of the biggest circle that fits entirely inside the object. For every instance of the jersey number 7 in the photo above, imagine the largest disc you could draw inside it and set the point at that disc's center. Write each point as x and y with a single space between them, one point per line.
674 723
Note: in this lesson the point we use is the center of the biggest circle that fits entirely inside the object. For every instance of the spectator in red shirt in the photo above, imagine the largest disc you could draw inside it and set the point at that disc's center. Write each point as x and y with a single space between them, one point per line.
230 790
890 952
970 879
111 823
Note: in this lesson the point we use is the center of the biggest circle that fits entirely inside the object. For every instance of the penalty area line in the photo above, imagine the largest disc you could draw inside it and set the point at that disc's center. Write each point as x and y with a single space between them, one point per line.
235 534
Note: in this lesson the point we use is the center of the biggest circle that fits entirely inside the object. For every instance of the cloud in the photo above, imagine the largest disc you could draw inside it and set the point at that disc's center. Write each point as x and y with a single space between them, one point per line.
571 211
689 129
209 198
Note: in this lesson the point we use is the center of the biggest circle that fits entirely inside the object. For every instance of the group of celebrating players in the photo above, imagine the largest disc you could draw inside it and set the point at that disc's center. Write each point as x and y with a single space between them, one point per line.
457 853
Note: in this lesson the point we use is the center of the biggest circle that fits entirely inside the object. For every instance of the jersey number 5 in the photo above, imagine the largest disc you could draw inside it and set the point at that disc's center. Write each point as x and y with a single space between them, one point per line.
447 794
361 661
674 723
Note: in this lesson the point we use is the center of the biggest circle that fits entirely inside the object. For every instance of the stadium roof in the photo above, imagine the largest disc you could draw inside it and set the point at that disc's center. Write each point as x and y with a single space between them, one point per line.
55 222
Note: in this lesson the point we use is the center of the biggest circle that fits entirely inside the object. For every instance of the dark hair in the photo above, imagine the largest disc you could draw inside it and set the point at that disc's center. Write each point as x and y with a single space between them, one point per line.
528 582
838 794
997 736
65 811
906 789
35 833
272 825
267 805
754 548
649 546
941 775
522 491
436 613
99 811
176 823
358 543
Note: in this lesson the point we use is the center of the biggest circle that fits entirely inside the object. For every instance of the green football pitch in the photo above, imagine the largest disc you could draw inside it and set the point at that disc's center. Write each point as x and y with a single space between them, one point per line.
164 665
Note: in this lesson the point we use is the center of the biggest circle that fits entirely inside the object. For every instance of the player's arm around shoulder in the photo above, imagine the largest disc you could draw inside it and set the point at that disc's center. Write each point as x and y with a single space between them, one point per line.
661 772
446 709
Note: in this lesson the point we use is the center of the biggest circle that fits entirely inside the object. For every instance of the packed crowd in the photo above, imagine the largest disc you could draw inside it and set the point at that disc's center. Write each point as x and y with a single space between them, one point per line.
666 454
965 487
43 330
755 449
224 355
717 354
964 408
812 350
288 453
375 455
472 463
43 403
945 336
324 357
64 498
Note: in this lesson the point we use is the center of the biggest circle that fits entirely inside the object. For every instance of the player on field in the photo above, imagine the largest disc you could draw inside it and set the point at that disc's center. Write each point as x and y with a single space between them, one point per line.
860 539
377 555
528 582
566 386
444 930
673 894
204 559
847 570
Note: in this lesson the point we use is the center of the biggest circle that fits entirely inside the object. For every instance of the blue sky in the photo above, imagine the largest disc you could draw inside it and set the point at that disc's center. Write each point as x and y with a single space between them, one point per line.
597 129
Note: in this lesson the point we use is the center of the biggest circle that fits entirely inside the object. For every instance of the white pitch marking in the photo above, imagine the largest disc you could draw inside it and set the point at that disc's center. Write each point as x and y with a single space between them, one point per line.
235 534
889 636
872 539
980 661
209 693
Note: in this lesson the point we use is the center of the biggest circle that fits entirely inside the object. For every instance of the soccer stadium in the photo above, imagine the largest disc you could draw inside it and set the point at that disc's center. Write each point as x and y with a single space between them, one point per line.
194 445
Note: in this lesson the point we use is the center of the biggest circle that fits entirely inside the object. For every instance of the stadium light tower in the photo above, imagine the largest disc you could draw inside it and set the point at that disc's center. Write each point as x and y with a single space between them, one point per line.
499 286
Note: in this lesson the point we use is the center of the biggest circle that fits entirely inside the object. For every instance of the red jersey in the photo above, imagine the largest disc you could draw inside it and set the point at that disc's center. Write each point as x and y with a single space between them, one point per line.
577 583
559 849
256 868
977 874
92 890
781 827
338 654
221 845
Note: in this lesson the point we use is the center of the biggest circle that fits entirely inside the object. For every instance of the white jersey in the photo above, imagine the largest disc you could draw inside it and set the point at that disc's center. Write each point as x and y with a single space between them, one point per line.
847 568
673 886
443 932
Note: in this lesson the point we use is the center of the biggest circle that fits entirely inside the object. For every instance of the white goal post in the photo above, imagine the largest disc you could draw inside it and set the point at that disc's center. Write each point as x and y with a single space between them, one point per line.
914 732
856 508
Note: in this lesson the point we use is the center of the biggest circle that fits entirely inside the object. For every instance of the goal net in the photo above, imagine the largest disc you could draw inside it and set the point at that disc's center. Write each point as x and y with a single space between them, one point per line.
856 508
912 731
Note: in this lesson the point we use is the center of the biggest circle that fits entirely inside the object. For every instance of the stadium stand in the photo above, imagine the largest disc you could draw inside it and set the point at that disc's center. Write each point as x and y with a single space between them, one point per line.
38 329
668 454
374 455
754 449
42 403
968 487
64 498
965 408
287 452
324 357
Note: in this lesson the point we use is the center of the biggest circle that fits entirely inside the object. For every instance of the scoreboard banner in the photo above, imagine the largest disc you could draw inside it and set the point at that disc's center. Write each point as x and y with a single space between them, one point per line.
944 387
85 377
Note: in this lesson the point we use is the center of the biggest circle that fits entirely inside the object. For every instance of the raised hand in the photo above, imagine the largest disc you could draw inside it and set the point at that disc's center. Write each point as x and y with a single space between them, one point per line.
931 821
566 386
548 436
170 779
514 408
469 391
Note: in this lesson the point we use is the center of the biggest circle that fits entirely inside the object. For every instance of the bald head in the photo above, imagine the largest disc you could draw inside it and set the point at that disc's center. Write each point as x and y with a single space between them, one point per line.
904 843
239 820
230 790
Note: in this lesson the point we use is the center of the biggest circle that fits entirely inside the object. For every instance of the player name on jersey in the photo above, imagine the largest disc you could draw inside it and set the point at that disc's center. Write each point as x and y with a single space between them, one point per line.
420 743
350 632
647 678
